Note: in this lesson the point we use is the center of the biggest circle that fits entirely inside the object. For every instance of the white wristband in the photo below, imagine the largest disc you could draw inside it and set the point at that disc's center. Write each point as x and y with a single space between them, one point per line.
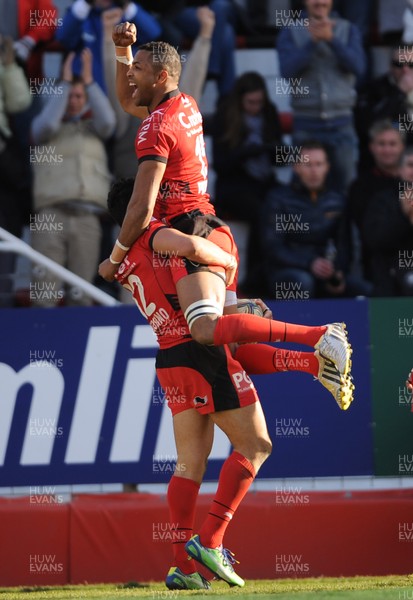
121 246
114 262
124 60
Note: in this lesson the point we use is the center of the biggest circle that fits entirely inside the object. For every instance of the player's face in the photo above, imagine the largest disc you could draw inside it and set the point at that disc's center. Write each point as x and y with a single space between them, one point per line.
77 100
312 171
143 78
253 102
319 9
386 149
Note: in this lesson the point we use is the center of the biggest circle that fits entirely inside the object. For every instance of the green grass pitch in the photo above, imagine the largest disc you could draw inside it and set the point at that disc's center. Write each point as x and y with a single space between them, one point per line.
364 588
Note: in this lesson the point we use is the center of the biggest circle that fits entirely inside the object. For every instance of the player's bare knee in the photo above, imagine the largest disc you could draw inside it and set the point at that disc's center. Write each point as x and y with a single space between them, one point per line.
261 448
203 329
191 467
264 448
257 450
201 317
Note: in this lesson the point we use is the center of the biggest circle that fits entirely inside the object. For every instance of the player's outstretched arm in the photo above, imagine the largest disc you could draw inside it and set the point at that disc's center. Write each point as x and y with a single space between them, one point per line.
123 36
175 243
138 214
142 202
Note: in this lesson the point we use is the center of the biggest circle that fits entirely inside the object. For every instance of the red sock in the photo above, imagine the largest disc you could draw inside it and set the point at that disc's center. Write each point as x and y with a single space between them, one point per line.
250 328
236 476
262 359
182 495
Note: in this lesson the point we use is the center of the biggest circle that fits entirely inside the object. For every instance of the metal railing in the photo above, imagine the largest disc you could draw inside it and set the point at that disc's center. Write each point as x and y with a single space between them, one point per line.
11 243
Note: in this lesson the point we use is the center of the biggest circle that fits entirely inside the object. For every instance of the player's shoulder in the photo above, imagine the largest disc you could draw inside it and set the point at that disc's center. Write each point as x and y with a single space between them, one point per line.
181 101
187 99
168 119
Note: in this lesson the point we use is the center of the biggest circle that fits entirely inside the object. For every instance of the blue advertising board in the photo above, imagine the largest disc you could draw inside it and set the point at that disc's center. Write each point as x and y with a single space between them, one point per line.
80 403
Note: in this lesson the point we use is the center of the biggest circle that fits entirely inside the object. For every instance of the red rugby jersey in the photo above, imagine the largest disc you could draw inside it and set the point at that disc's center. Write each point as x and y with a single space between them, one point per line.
147 274
173 134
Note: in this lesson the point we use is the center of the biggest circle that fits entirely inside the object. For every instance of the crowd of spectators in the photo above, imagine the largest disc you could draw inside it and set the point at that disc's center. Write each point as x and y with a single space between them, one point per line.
341 226
71 192
246 131
310 253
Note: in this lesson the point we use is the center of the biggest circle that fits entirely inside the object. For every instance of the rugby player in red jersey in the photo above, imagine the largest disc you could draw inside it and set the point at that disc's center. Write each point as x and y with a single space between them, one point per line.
210 382
206 378
171 183
265 359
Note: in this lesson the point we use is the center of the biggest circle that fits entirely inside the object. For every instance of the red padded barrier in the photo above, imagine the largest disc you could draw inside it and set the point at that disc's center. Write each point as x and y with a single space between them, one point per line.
34 547
111 538
331 534
126 537
273 535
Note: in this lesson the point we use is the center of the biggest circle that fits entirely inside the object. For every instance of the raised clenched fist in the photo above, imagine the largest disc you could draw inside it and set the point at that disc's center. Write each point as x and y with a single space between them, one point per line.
124 34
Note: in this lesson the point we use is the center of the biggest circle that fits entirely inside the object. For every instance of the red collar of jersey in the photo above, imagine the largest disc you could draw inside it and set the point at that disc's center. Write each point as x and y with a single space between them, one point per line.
167 97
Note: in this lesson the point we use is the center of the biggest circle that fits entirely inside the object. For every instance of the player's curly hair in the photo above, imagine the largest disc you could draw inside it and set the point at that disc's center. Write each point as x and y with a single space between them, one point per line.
118 199
164 56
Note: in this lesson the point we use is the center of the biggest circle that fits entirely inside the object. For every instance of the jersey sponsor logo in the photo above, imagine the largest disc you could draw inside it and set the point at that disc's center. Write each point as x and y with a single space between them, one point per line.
242 381
190 120
159 318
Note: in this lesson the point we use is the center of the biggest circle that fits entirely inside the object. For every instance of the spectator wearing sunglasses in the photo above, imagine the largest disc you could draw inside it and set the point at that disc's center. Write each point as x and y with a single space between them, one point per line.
387 97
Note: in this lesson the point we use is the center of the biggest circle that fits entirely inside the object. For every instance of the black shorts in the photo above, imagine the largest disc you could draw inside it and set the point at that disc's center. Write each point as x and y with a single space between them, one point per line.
206 378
